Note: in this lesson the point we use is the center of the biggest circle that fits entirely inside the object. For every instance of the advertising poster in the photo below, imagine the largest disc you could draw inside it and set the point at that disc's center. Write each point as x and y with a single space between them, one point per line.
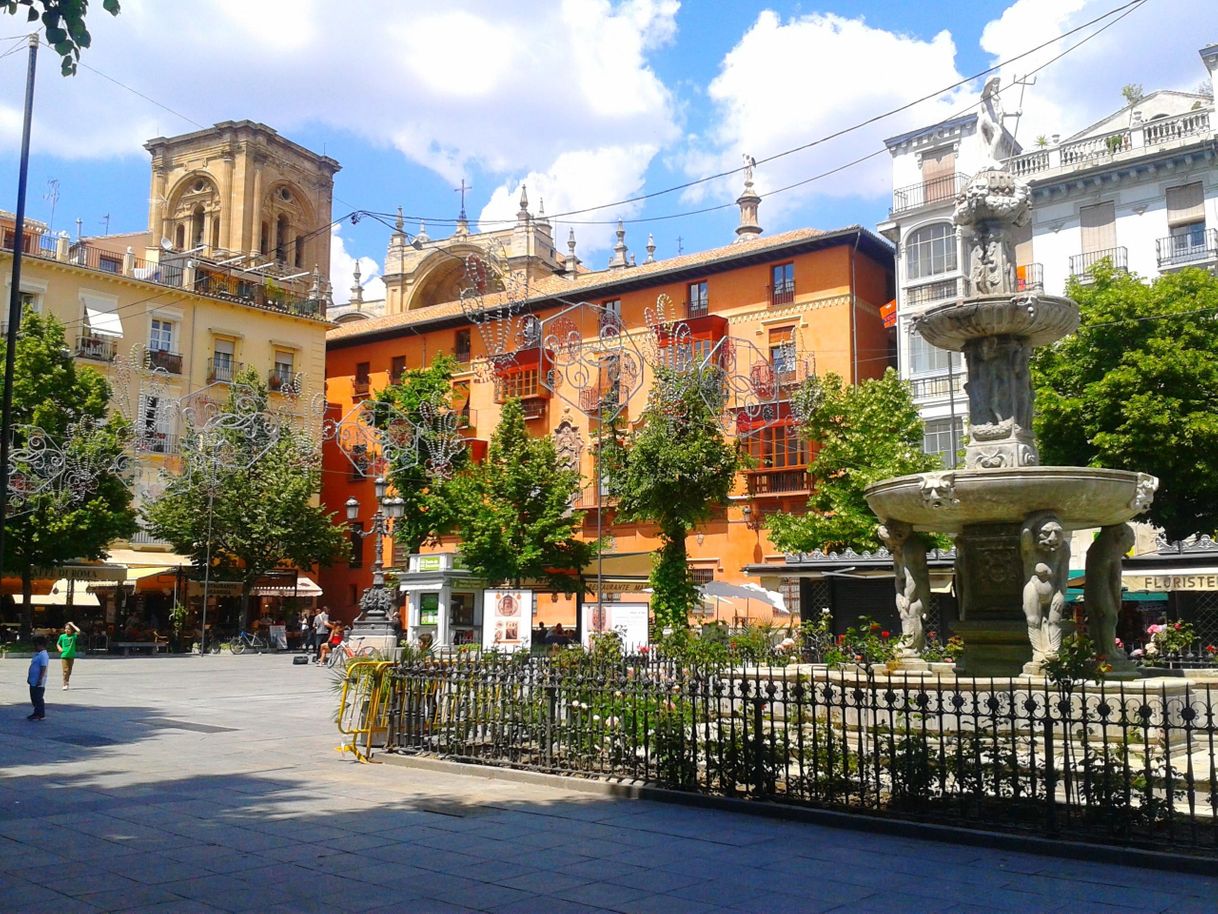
628 619
279 637
507 619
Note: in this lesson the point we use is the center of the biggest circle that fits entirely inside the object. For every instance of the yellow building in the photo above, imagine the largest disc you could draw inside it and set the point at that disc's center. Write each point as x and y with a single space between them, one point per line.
198 312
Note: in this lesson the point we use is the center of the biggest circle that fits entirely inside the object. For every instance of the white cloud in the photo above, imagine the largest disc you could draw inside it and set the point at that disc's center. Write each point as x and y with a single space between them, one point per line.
342 272
786 83
578 179
1154 45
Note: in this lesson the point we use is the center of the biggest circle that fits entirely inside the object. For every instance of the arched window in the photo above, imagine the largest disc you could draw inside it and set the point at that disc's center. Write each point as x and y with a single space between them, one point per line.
299 245
196 226
180 237
930 250
215 230
281 238
264 240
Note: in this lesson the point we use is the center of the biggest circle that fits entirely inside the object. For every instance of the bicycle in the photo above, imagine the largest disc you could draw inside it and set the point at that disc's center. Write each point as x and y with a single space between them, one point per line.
344 653
245 640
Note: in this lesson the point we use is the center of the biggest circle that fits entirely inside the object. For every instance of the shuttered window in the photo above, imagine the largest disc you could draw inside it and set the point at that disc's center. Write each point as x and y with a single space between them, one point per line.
1099 227
1185 204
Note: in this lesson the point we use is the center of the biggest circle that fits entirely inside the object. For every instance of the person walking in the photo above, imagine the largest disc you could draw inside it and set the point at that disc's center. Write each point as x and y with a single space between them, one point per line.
67 651
306 630
321 630
37 678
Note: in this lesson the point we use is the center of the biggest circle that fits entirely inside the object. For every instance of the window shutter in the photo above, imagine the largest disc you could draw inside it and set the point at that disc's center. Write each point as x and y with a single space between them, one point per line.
1099 227
1185 204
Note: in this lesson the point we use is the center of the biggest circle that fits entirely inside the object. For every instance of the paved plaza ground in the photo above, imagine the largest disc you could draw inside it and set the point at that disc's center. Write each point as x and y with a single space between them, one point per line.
212 784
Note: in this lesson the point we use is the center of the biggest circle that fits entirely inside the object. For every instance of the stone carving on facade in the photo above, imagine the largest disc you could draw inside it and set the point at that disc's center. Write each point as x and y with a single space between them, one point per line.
938 490
1144 493
1045 551
1102 590
987 209
912 582
569 445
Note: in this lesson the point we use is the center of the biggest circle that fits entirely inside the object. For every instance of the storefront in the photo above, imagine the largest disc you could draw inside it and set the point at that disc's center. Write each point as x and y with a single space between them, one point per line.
443 601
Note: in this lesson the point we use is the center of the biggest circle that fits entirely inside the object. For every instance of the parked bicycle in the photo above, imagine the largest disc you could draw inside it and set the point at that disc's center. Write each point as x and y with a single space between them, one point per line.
244 640
350 650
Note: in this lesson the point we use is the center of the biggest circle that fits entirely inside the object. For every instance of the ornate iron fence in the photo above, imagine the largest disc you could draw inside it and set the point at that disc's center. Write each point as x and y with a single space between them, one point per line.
1123 764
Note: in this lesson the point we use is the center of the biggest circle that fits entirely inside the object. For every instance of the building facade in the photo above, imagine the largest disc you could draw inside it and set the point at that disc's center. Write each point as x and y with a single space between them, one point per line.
169 323
809 296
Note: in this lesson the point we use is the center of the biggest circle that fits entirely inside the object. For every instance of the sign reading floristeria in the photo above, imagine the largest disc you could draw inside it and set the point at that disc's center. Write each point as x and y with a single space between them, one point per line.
1185 579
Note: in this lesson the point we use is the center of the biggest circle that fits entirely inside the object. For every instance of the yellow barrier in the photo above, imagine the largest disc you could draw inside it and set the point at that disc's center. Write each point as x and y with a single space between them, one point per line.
363 709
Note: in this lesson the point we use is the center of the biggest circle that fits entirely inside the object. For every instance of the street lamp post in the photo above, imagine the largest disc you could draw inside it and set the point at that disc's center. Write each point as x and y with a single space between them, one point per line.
375 620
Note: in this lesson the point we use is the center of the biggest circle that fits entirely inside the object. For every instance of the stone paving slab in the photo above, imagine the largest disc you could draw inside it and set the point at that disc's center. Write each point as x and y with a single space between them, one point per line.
184 784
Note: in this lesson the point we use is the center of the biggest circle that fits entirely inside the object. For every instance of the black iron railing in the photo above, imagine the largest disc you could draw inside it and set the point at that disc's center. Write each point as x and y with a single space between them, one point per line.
1183 250
166 360
99 348
782 293
697 307
940 189
1081 265
1127 765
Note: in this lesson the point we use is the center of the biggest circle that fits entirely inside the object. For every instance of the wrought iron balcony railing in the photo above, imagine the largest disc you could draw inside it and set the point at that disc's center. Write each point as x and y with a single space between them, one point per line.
222 370
782 293
1186 250
1081 265
165 360
99 348
928 193
786 481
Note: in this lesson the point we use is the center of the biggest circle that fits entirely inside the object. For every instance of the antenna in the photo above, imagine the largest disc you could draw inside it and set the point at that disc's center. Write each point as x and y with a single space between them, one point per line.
106 222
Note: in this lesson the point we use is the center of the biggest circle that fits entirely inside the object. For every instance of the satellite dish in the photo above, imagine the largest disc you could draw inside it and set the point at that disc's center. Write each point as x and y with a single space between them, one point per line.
166 244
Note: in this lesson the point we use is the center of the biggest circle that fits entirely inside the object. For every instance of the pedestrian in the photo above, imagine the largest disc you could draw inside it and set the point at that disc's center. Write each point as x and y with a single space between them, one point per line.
37 678
321 630
306 629
67 651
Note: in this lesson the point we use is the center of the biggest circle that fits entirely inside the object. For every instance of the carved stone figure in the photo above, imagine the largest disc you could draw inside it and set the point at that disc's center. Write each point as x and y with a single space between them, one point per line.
1046 561
990 120
912 582
569 445
1145 494
1102 590
938 489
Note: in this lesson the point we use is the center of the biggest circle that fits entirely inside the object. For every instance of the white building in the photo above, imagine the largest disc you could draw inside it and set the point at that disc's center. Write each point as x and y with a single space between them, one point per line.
1137 189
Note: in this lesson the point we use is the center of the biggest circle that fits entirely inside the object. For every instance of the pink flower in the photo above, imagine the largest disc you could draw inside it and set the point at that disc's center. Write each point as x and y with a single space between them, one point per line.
644 649
1119 642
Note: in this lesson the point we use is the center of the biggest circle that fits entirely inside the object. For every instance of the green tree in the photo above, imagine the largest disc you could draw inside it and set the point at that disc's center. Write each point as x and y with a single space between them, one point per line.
862 434
422 393
246 496
514 515
674 472
1135 389
64 24
57 516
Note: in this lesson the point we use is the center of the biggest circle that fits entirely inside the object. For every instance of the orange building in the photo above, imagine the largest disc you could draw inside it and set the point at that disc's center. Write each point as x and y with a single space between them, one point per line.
804 300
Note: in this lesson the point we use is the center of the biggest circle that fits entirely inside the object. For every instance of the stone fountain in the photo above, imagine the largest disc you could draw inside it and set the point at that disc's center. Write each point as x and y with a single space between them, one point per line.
1010 517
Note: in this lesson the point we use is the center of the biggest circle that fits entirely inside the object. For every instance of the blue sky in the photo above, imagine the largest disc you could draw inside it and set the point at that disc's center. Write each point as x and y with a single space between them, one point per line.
586 101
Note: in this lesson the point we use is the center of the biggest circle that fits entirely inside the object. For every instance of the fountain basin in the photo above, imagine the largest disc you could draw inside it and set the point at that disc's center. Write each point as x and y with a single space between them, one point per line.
1039 319
947 501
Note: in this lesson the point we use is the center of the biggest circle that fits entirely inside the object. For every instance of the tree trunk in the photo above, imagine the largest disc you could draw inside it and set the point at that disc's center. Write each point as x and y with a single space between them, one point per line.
243 618
27 608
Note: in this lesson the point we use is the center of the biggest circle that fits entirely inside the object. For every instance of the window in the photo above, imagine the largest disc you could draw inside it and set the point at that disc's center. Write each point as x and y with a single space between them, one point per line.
783 277
281 238
927 359
397 368
782 354
196 226
360 382
688 354
179 238
1186 219
937 438
778 446
109 263
789 588
938 175
461 347
461 403
611 316
281 374
530 332
521 384
701 576
698 300
161 337
930 250
1099 227
222 360
357 545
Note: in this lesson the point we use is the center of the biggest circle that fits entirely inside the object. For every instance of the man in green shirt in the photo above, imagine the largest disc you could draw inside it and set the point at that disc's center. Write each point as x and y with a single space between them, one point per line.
67 650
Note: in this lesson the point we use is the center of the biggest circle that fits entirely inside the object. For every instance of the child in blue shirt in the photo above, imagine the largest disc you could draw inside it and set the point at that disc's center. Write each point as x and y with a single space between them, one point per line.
37 678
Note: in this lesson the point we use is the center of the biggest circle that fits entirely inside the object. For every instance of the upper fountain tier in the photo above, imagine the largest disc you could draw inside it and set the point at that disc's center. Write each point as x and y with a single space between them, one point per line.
1032 317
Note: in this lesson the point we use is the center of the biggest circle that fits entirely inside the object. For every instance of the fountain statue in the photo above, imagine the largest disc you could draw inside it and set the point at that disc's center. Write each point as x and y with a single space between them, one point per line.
1011 518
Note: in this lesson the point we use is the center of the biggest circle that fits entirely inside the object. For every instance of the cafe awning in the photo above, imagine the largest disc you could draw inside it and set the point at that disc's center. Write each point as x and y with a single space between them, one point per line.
135 558
301 587
618 572
58 596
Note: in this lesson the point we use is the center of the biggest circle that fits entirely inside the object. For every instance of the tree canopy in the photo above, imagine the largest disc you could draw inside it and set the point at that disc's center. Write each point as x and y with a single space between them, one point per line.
73 504
675 471
514 515
1135 389
64 24
245 497
860 435
419 396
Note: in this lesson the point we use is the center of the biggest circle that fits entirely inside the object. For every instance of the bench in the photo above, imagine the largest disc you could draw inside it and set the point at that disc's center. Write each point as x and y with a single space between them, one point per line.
125 647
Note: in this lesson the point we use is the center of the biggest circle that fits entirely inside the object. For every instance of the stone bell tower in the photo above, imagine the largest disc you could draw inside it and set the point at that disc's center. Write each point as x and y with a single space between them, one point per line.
239 189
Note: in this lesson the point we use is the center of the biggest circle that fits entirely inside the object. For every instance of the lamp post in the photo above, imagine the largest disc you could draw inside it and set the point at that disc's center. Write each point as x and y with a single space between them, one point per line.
376 605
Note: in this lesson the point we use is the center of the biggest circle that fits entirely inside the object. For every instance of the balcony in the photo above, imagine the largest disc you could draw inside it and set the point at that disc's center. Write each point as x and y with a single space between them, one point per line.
97 348
787 481
782 293
150 441
940 291
938 387
1030 277
1190 250
603 402
361 386
1081 265
930 192
697 308
1096 150
222 370
533 408
165 360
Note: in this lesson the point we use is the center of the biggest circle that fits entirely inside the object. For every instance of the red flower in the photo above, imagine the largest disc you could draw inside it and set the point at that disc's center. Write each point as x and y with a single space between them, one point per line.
1209 649
885 634
1176 626
644 649
841 639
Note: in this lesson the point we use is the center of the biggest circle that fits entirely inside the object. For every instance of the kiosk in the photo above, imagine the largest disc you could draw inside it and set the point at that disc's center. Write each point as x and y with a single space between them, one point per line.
443 601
